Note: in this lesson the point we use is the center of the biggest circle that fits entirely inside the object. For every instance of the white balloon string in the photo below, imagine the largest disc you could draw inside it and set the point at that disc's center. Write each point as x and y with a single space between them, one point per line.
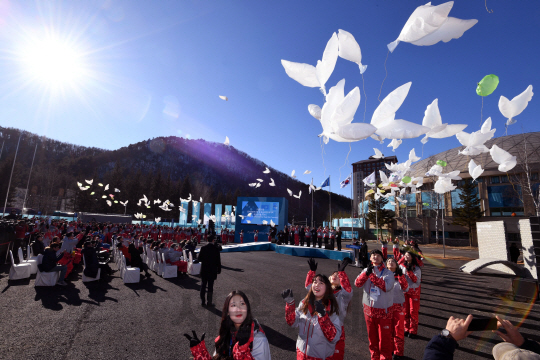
322 155
365 98
489 11
386 74
481 110
346 161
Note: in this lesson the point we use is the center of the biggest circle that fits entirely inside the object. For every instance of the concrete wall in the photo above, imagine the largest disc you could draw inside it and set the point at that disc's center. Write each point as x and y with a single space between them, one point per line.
492 243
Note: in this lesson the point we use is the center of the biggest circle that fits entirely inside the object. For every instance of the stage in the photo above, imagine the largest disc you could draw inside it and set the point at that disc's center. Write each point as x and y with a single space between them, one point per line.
302 251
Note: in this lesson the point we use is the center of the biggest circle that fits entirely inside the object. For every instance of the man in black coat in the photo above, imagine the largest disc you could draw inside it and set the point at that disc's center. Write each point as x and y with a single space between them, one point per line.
210 260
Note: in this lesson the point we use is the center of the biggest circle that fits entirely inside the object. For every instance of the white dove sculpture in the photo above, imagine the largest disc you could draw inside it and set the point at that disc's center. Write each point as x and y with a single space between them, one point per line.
413 157
394 144
474 142
514 107
350 50
475 170
502 157
443 185
311 76
430 24
438 130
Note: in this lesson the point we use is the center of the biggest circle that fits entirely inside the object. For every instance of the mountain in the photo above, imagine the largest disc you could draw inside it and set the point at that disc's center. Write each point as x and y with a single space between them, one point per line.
163 167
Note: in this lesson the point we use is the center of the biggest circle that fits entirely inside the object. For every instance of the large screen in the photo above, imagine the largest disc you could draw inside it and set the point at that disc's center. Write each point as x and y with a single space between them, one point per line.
260 212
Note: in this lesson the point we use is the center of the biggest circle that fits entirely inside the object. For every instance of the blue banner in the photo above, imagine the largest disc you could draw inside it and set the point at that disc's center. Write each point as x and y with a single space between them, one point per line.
218 213
196 213
184 213
207 213
228 212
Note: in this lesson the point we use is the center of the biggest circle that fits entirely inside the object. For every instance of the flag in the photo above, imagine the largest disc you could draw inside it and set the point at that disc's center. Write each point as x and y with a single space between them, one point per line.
345 182
310 185
326 182
370 180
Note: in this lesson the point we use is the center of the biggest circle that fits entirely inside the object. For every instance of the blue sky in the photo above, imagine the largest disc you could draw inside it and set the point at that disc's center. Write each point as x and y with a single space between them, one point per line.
156 68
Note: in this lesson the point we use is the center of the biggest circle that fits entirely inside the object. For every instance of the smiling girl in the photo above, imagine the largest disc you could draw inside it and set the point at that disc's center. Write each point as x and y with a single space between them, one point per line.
317 320
240 336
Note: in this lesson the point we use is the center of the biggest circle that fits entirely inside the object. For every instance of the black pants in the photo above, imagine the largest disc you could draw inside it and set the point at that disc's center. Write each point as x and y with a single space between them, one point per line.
308 241
338 241
301 240
320 242
210 282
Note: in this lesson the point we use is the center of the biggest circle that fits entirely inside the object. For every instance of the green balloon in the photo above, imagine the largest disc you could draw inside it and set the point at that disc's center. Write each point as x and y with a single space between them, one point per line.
487 85
425 204
406 179
441 163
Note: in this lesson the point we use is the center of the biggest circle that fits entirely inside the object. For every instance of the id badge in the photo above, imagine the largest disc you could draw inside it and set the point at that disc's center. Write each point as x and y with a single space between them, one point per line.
374 293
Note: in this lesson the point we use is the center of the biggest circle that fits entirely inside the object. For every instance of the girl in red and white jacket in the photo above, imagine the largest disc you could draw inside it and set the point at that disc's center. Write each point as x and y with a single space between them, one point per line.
398 308
240 336
256 236
378 282
413 275
342 291
317 320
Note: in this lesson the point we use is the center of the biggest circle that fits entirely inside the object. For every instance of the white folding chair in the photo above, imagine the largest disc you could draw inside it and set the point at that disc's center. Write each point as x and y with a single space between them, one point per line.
30 254
144 254
33 263
88 278
154 263
46 278
159 263
167 270
193 269
19 271
131 274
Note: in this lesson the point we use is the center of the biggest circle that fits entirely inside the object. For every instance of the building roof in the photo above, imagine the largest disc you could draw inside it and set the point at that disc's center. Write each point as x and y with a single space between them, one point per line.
392 158
525 146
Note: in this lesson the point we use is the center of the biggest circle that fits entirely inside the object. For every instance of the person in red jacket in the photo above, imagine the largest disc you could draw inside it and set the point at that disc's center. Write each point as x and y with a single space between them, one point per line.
256 236
398 309
241 236
241 337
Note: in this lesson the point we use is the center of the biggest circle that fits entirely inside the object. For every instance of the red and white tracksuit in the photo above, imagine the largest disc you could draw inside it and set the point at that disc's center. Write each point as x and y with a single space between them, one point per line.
256 348
412 296
317 335
377 302
384 249
256 237
398 312
241 238
343 296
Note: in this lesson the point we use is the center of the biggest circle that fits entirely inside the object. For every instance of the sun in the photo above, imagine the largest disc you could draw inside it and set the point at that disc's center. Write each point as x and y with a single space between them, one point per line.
55 63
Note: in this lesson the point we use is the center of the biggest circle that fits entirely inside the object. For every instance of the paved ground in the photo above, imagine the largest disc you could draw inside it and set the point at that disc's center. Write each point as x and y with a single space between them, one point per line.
145 321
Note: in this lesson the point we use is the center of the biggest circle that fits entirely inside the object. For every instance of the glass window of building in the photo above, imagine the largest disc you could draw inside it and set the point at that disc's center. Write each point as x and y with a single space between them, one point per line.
495 180
534 176
505 200
504 178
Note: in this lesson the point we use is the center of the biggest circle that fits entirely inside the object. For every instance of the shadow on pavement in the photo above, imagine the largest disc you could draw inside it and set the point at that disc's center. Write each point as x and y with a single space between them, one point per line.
232 269
146 284
278 339
51 297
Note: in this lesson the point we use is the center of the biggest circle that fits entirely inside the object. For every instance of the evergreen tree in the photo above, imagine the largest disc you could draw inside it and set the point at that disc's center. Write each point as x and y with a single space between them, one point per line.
377 214
469 211
186 188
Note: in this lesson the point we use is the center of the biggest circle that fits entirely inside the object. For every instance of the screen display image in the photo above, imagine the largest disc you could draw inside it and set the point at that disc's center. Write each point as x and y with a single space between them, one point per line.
259 212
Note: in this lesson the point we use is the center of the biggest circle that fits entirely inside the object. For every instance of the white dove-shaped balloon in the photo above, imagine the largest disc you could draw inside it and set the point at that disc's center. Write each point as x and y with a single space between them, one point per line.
106 187
292 174
514 107
260 180
84 188
200 199
378 154
412 156
394 144
267 171
104 196
272 222
226 141
438 130
100 184
258 185
223 98
307 172
116 190
265 222
272 183
124 203
157 220
443 185
430 24
350 50
252 184
157 201
502 157
311 76
89 182
290 192
109 202
299 194
475 170
384 178
474 142
79 184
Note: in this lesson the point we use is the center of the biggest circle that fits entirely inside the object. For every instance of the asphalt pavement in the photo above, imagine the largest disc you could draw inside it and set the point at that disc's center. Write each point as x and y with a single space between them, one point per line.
113 320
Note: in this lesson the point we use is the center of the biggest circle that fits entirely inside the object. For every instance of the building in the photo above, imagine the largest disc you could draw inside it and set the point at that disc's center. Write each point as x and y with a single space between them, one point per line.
503 196
363 169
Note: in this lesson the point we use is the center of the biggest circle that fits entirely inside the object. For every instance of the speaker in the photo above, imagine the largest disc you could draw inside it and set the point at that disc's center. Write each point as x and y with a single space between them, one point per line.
525 289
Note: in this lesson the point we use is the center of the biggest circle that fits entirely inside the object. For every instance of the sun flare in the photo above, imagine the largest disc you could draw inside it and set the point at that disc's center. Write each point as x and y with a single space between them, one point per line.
53 62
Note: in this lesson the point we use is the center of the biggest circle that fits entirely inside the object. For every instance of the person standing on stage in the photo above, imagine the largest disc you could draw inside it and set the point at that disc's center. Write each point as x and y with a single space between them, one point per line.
326 236
398 308
319 236
256 236
301 234
378 282
332 235
241 236
307 235
210 260
314 236
338 238
296 235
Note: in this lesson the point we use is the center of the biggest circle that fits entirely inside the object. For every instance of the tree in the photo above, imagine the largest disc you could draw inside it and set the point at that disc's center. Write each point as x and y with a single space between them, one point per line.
469 211
378 214
186 188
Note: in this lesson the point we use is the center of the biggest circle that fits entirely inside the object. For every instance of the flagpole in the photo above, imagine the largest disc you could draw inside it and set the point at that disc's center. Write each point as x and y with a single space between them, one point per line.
330 199
29 175
10 176
312 191
352 211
